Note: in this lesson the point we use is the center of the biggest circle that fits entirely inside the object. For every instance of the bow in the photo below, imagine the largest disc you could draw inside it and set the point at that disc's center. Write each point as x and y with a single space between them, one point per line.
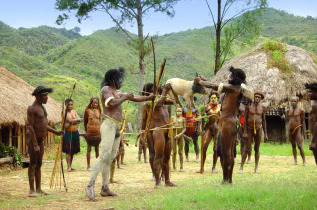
59 154
153 104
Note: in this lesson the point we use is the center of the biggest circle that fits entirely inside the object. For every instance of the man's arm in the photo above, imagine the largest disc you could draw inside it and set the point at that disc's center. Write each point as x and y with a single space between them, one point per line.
264 124
86 119
50 129
112 102
162 99
302 118
30 117
142 98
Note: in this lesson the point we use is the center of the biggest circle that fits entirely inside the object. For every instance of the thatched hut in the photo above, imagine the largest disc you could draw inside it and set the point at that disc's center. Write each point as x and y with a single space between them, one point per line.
15 96
277 85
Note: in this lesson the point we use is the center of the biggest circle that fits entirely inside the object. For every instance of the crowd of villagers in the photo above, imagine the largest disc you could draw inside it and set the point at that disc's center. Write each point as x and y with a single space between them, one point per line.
233 114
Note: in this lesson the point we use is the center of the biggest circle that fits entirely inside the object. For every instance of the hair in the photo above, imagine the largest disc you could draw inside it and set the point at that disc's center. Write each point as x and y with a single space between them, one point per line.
90 103
41 89
238 76
213 93
311 86
147 89
112 77
68 100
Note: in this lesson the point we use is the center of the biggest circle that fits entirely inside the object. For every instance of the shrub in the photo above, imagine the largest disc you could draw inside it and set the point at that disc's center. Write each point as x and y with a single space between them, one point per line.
6 151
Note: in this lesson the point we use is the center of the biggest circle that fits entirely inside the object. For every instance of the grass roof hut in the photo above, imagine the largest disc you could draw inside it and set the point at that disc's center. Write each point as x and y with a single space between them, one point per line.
279 80
15 96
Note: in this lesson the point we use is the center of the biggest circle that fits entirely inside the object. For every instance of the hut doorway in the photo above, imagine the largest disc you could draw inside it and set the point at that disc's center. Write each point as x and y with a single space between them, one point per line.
276 129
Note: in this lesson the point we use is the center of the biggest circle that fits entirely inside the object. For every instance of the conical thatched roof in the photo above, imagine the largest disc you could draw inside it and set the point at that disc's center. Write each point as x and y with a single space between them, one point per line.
15 96
277 86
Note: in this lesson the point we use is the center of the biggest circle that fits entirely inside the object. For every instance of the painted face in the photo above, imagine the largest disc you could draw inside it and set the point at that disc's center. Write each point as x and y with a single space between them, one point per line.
179 112
257 98
44 98
70 105
94 104
213 99
294 102
312 94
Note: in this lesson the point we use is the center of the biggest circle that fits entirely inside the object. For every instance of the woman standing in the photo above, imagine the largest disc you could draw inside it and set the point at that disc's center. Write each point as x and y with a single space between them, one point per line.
71 144
92 127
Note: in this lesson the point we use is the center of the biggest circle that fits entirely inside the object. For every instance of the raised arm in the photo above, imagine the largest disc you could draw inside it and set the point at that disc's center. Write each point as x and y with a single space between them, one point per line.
162 99
142 98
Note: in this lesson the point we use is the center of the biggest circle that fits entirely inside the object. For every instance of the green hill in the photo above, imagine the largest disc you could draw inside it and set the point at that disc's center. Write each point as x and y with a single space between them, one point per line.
60 57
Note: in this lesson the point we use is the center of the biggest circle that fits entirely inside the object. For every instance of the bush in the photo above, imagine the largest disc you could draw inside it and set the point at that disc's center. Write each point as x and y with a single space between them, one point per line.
6 151
276 50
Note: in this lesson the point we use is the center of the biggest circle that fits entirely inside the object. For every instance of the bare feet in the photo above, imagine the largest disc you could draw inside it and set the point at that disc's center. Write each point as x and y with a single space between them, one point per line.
295 163
69 169
158 185
113 181
197 160
249 161
90 192
240 171
105 191
88 168
214 171
170 184
223 183
256 171
119 167
304 164
187 159
32 193
41 192
199 172
181 170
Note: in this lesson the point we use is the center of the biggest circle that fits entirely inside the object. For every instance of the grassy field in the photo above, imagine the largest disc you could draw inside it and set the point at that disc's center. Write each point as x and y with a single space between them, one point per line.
280 185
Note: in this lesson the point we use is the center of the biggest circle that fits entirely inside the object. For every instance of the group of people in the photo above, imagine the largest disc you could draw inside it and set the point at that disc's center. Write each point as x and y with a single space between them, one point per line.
236 117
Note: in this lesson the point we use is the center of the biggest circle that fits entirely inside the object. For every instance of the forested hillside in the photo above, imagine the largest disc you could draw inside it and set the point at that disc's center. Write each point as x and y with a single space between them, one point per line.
60 57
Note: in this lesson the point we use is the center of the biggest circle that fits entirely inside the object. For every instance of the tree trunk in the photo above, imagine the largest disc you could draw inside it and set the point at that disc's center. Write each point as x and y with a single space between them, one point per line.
141 59
218 34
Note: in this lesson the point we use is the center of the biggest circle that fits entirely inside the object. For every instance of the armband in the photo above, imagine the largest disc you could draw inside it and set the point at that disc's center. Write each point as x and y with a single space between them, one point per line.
108 100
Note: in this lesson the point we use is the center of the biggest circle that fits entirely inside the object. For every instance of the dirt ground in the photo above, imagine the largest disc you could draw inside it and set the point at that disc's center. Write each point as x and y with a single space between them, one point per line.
134 178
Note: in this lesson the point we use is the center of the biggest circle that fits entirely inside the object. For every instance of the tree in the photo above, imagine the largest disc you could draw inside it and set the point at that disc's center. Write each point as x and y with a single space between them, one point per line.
131 11
246 26
76 30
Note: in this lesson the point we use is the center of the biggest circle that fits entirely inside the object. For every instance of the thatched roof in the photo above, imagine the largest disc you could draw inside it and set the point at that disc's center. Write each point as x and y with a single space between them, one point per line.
15 96
276 85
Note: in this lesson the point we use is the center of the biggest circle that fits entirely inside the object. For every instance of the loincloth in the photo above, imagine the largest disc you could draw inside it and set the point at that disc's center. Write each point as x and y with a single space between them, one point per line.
93 138
294 130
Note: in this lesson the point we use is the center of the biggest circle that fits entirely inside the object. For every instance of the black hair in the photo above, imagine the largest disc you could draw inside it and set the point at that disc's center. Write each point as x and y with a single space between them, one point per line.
112 77
311 86
147 89
238 76
41 89
68 100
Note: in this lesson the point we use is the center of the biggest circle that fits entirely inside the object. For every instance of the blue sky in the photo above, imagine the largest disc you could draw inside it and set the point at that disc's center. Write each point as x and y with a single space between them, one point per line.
189 14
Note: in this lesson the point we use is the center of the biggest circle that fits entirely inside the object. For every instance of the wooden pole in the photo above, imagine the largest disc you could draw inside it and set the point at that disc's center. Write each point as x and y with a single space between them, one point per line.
24 141
10 136
19 140
0 135
202 146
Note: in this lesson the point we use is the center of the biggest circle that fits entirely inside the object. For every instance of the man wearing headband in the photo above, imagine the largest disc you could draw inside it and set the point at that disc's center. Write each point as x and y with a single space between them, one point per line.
254 123
228 117
38 128
112 100
312 95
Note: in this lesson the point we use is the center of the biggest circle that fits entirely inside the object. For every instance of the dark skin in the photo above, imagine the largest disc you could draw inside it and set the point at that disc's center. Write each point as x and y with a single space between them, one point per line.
211 130
312 95
93 124
194 137
158 142
228 118
38 128
114 110
296 118
142 146
240 133
71 122
254 120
